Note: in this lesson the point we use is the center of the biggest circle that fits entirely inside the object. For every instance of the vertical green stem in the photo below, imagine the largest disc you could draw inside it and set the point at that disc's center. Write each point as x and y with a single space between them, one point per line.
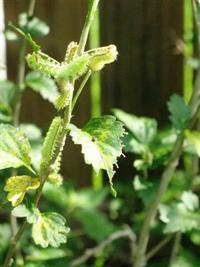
188 51
93 4
95 90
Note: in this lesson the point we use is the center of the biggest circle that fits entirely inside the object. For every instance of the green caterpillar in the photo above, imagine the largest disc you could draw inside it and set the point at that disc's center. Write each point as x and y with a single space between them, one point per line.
41 62
51 142
99 57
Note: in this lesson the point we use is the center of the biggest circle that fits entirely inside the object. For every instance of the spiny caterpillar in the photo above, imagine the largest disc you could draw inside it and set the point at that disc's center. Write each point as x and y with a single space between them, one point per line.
43 63
51 142
65 95
99 57
71 52
76 68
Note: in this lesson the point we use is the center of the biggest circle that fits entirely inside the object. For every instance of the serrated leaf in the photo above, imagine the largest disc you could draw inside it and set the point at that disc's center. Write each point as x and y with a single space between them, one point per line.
35 26
50 229
17 186
14 148
143 129
101 143
180 113
43 85
193 138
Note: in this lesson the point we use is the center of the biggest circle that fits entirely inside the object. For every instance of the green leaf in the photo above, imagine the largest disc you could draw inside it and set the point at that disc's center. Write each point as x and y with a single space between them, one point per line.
5 236
193 138
35 26
21 211
45 254
17 186
180 113
101 143
186 259
14 148
181 219
95 224
43 85
7 97
50 229
190 200
143 129
7 92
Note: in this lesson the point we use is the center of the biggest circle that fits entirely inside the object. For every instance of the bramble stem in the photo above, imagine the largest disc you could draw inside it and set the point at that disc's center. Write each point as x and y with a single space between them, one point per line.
66 119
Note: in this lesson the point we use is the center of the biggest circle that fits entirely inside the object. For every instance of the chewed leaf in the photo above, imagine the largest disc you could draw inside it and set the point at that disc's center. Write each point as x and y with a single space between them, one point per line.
101 143
17 186
14 148
50 229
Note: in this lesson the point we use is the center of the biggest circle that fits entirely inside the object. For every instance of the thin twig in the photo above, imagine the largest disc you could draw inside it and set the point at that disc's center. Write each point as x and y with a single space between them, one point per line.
80 89
126 233
175 248
158 247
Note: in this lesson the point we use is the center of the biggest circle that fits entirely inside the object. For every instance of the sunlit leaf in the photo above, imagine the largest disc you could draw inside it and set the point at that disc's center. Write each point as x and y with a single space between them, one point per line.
181 219
50 230
17 186
193 138
14 148
101 143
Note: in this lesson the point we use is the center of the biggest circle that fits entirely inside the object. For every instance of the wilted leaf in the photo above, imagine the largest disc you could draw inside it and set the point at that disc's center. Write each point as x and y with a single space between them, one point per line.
14 148
101 143
17 186
50 229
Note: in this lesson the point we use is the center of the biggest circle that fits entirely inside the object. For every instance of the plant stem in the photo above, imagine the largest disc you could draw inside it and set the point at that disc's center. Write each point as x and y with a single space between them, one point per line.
80 89
21 69
127 233
158 247
66 120
93 4
175 248
95 90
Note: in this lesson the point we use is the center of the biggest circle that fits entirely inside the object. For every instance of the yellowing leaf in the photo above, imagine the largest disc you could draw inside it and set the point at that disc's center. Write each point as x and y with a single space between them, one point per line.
50 229
17 186
193 138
